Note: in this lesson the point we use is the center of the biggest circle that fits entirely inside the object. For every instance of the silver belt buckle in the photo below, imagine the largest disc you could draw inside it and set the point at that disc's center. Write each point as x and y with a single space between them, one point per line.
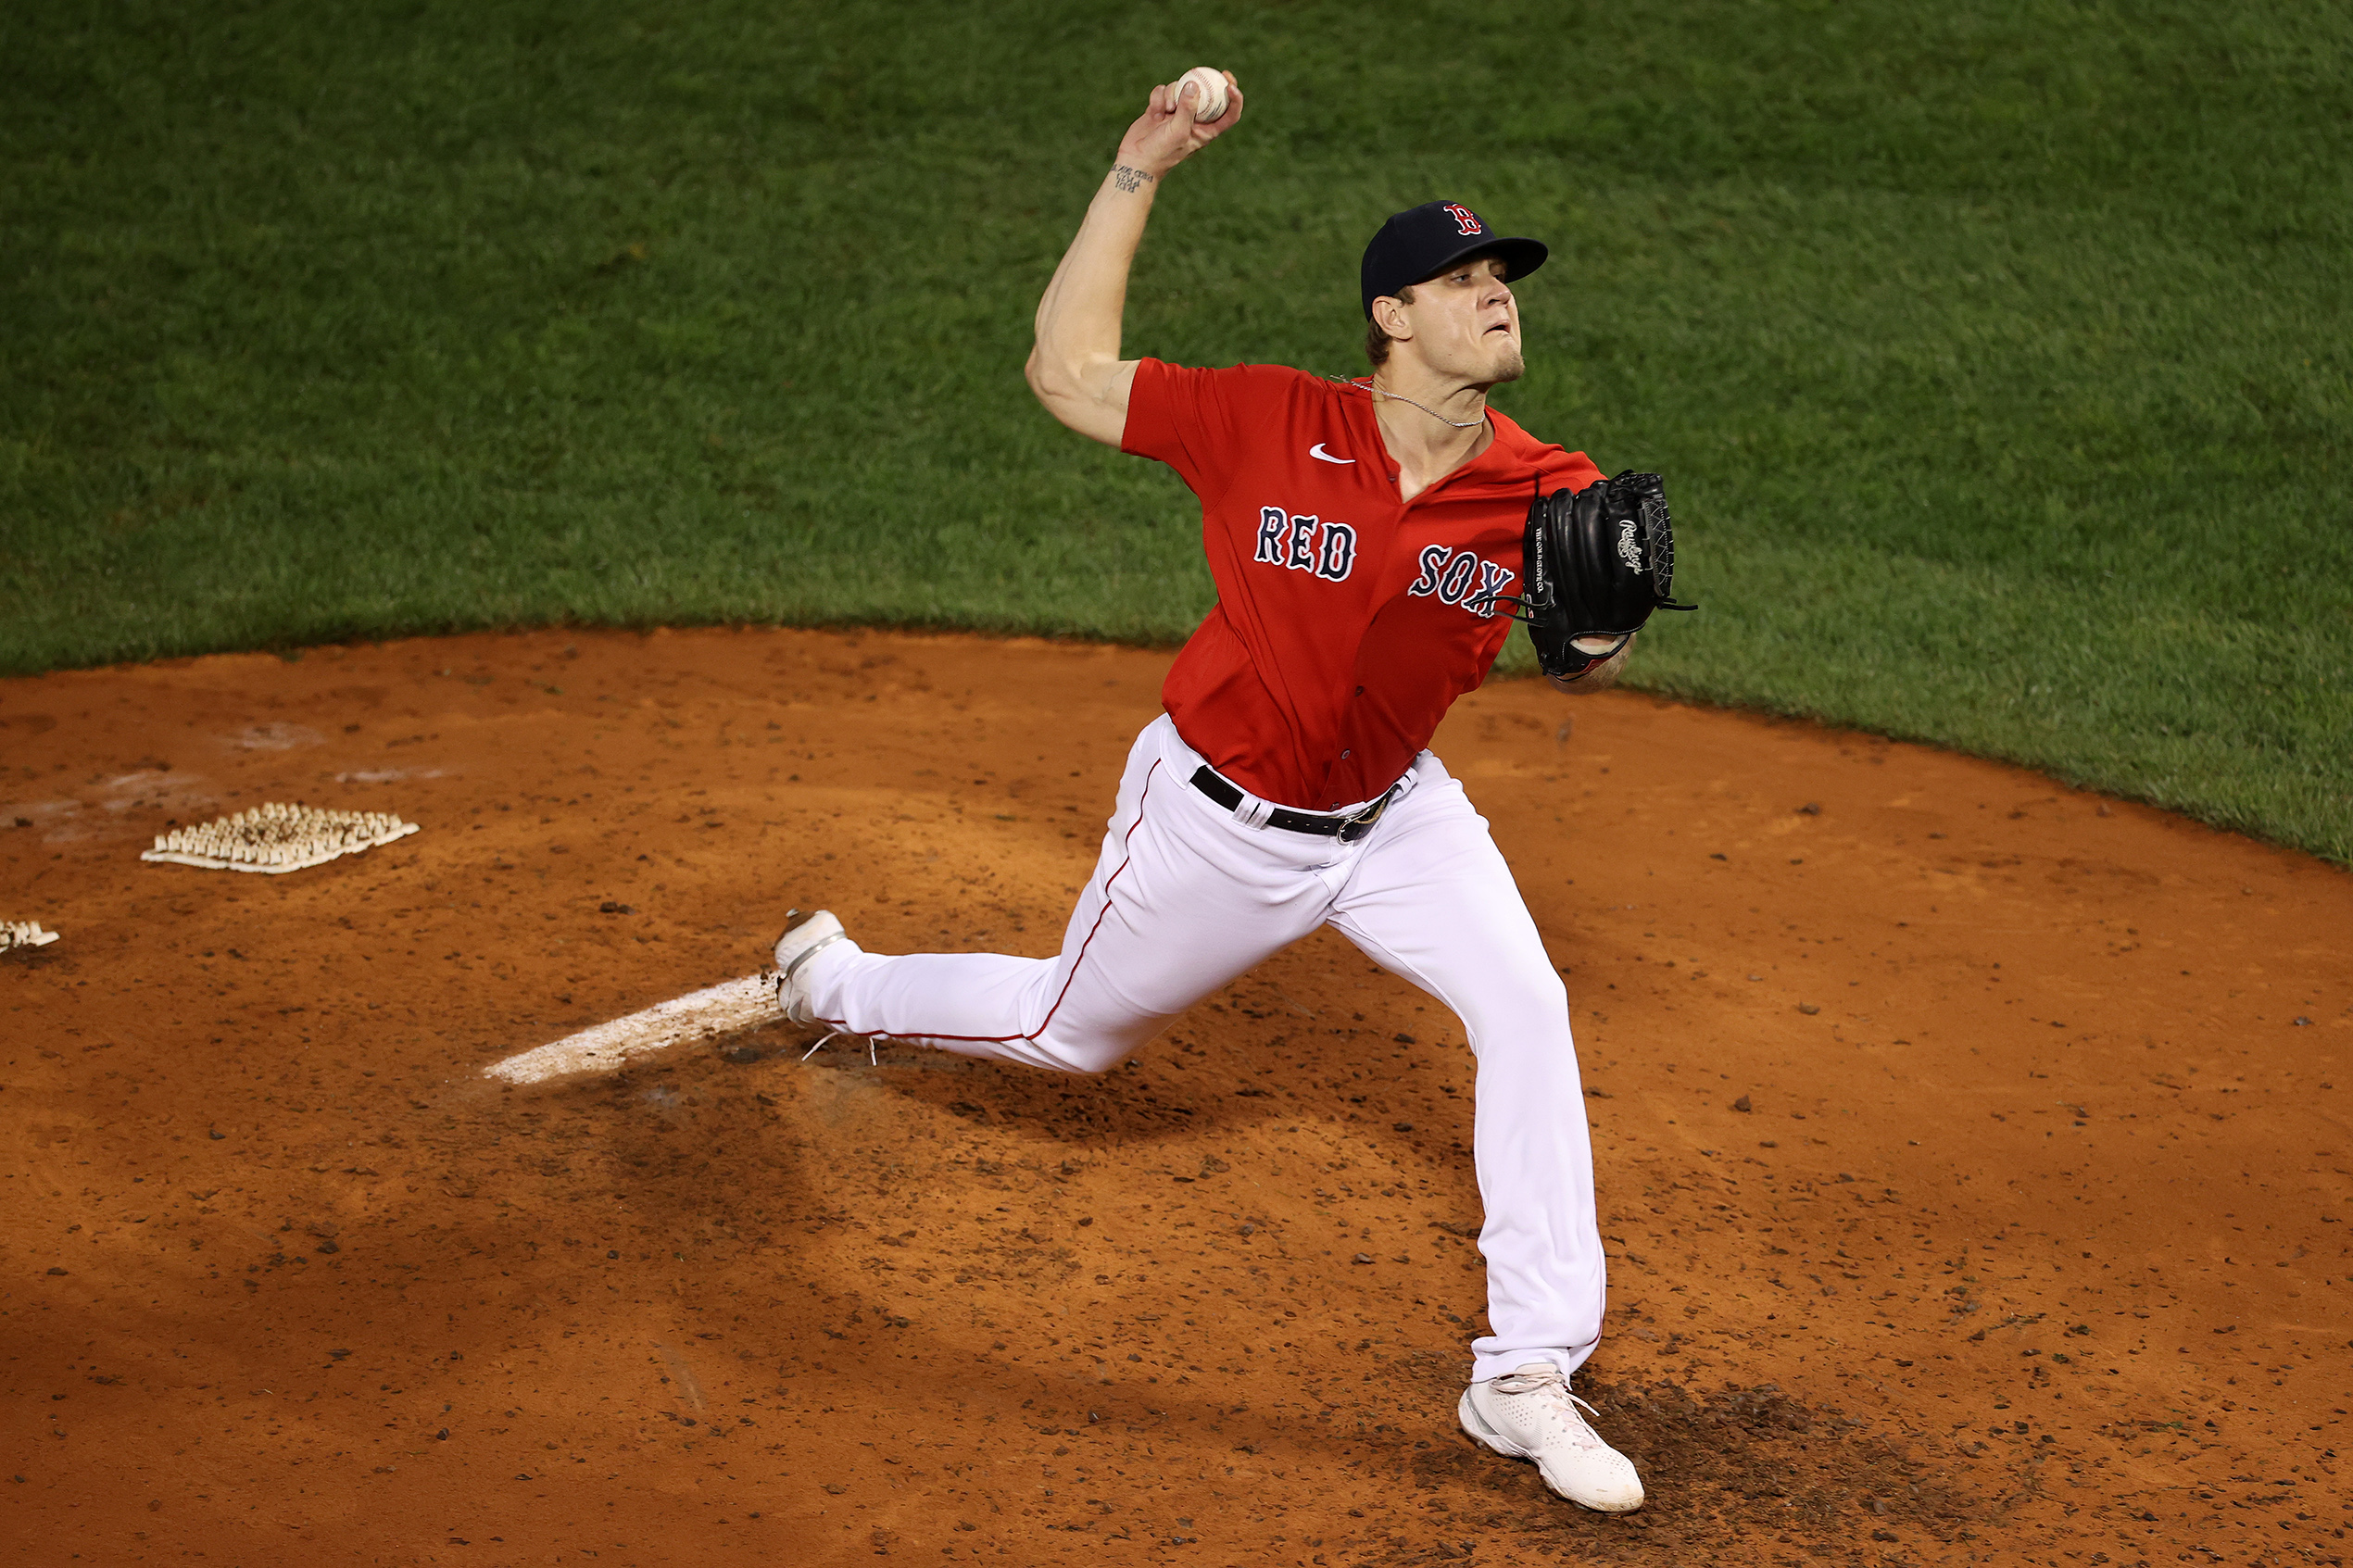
1362 823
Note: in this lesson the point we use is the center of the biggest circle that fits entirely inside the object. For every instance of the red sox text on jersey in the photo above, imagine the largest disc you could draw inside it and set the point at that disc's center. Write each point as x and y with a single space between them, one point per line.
1328 550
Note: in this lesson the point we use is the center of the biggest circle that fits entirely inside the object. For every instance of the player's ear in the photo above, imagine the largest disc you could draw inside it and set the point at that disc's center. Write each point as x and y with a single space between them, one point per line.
1389 312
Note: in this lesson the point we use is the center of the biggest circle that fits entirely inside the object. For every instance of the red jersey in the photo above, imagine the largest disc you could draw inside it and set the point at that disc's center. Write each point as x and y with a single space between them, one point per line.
1347 621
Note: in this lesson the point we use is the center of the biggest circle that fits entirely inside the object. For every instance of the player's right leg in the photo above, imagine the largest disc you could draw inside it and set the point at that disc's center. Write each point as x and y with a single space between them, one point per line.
1181 900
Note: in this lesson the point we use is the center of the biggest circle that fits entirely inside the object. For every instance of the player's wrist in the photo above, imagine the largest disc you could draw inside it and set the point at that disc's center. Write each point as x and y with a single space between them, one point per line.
1135 176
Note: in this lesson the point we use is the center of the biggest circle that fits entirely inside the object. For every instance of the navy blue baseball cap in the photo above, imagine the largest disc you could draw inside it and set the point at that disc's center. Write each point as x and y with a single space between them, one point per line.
1418 245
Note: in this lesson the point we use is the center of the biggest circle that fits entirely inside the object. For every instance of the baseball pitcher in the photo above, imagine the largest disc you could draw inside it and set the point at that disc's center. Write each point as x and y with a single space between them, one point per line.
1373 543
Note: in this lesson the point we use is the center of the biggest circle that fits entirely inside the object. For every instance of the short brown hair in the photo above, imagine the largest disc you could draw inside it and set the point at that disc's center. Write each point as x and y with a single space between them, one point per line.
1376 342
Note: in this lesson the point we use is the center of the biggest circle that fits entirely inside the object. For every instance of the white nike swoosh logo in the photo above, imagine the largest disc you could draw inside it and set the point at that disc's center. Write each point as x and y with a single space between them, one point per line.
1321 456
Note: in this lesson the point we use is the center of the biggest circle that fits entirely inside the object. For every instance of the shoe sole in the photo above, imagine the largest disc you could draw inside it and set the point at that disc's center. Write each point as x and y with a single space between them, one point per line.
1487 1437
786 971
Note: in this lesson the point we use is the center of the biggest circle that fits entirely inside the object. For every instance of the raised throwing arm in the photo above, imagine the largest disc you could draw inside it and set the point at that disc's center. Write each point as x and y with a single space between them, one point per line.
1076 368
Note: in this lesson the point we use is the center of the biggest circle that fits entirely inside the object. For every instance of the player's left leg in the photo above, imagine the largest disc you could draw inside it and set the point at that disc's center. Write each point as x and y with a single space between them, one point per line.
1431 900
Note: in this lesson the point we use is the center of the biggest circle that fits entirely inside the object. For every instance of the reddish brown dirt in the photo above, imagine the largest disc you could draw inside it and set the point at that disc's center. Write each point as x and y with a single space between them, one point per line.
1975 1187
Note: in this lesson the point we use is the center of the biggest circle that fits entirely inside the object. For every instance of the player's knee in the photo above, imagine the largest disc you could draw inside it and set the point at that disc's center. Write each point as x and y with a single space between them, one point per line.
1096 1062
1091 1054
1534 1010
1533 994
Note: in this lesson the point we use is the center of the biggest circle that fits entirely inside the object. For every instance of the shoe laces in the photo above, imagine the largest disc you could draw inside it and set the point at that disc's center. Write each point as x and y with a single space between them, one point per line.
871 1059
1549 1380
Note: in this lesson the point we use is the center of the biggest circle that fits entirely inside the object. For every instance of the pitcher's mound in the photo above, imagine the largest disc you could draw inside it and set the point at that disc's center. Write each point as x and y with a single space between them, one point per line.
1972 1152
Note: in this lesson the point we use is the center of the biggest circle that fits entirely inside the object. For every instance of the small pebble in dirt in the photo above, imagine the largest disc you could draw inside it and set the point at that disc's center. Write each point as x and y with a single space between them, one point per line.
1742 1104
1402 1040
1808 1009
1362 1257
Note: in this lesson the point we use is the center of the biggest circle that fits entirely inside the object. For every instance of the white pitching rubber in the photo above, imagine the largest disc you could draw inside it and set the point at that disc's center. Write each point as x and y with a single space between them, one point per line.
718 1010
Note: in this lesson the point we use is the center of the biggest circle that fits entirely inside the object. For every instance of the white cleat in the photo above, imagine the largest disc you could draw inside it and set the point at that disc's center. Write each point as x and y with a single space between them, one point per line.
1532 1415
805 935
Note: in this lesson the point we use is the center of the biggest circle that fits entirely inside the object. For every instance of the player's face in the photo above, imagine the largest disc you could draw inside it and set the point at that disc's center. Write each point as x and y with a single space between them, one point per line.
1465 322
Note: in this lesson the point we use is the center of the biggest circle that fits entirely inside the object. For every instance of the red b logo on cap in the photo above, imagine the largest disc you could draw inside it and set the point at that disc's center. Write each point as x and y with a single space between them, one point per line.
1464 218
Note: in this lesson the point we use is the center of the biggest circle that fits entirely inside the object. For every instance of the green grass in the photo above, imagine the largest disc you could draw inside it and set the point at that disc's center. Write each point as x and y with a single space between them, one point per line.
1997 354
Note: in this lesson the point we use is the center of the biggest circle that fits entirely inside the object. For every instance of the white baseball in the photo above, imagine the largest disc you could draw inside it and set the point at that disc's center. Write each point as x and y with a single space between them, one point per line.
1211 84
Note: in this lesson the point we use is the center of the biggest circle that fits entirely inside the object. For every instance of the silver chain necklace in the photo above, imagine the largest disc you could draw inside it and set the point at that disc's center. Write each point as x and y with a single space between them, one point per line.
1384 392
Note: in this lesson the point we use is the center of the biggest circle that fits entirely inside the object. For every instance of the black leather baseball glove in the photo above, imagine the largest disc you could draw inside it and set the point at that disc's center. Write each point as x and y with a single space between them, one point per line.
1597 561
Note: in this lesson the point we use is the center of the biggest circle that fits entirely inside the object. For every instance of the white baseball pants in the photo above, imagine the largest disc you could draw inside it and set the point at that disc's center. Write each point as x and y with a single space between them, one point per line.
1186 897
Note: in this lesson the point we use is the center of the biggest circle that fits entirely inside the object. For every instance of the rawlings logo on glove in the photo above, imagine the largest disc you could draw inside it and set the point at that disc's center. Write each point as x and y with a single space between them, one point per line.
1627 551
1598 561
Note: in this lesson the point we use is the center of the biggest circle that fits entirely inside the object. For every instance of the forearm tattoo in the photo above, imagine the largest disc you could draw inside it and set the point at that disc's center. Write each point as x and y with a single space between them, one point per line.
1130 179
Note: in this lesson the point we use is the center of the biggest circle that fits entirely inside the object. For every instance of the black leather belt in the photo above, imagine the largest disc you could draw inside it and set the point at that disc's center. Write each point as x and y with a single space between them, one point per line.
1348 830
